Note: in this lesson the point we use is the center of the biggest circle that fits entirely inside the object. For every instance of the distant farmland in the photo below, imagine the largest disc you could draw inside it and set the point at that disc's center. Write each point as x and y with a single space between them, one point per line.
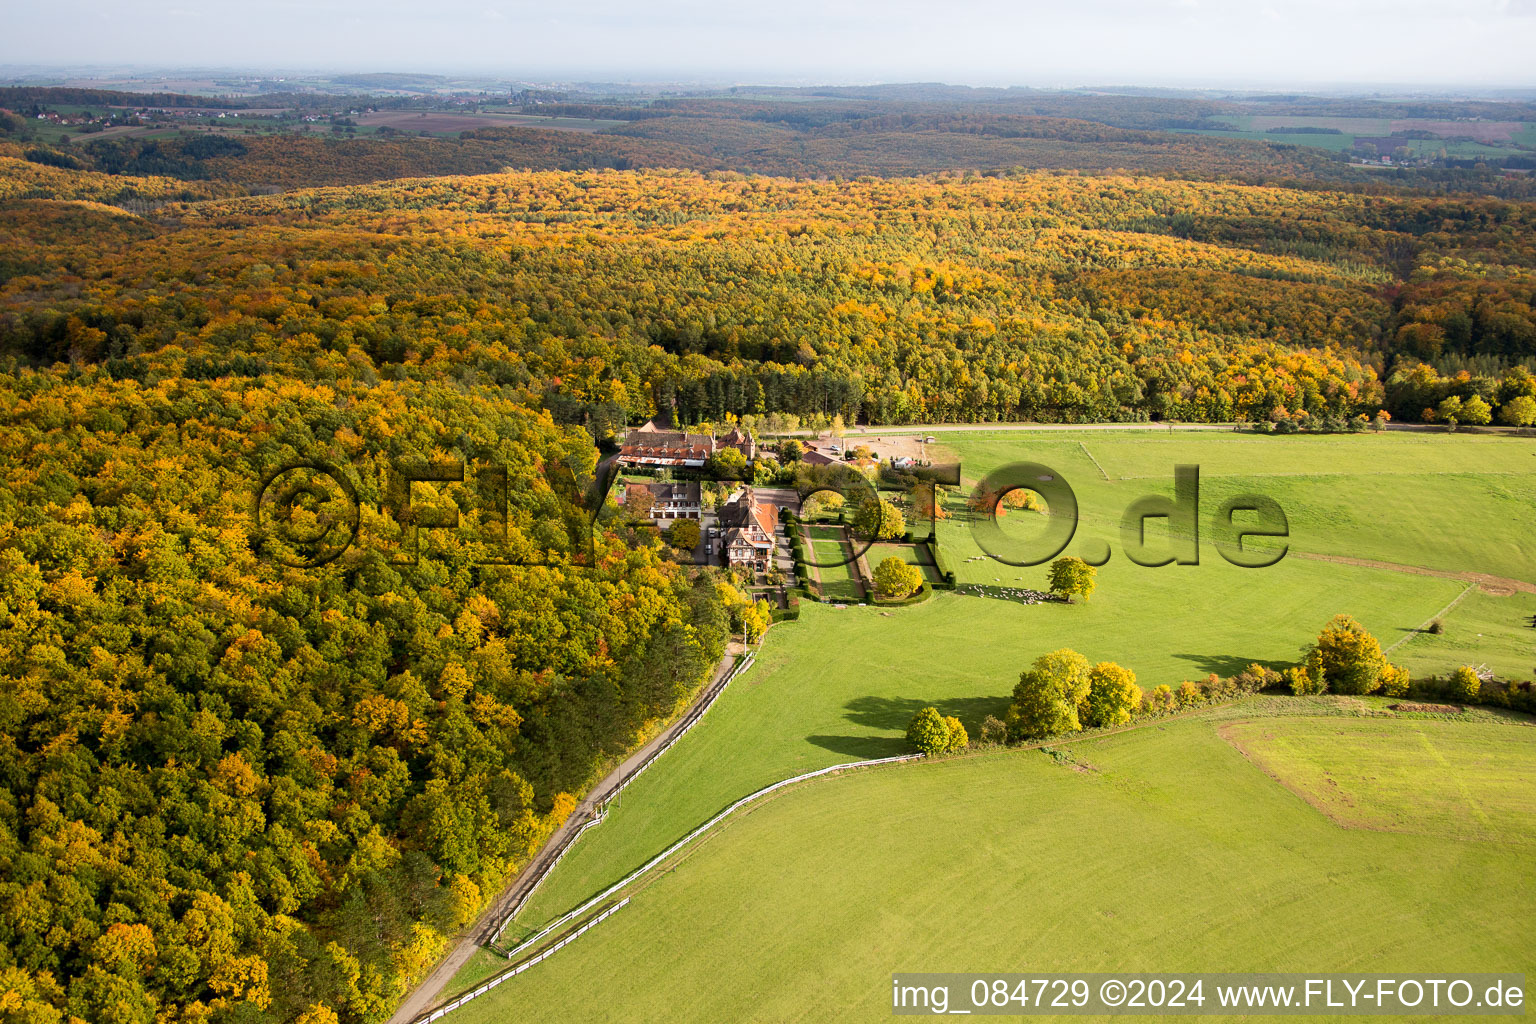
439 121
1464 138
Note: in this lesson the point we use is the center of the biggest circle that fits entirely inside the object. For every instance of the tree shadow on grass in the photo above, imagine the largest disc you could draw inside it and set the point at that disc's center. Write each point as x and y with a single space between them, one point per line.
863 748
1225 665
890 715
894 713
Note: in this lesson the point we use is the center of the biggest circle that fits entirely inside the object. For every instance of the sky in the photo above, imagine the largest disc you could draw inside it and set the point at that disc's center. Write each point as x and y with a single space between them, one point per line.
1187 43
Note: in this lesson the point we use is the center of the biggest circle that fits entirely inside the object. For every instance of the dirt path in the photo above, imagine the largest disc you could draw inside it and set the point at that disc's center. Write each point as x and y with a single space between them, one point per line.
896 429
1499 586
425 995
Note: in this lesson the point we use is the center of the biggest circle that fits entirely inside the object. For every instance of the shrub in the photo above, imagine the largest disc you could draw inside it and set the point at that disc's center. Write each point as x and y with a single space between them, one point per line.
1464 685
1303 682
1113 695
1437 627
1255 678
993 731
1522 697
1394 681
895 578
1350 658
958 738
1046 700
1189 694
928 732
1160 700
1070 576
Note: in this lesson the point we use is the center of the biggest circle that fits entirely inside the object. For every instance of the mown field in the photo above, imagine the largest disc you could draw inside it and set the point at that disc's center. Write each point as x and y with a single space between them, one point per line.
830 554
1162 848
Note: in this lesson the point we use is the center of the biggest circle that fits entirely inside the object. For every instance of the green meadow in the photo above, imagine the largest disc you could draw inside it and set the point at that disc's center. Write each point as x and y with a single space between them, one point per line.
841 684
1164 848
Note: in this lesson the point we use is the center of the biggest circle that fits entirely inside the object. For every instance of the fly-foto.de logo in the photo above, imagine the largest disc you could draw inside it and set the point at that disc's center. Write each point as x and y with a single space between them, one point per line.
308 513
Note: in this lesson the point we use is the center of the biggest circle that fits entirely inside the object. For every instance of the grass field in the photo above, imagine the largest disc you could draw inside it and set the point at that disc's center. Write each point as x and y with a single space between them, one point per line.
1459 148
908 553
1446 502
1456 138
1425 777
840 684
1157 849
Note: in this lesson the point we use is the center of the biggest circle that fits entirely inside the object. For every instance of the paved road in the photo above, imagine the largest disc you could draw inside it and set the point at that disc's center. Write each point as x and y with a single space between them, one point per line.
896 429
425 995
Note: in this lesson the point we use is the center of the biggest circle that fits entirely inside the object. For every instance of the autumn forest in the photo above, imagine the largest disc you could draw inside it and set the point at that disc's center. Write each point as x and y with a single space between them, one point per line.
235 790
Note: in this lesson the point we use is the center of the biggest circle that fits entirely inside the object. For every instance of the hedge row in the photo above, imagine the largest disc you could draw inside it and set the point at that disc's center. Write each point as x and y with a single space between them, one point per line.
791 610
1519 696
946 574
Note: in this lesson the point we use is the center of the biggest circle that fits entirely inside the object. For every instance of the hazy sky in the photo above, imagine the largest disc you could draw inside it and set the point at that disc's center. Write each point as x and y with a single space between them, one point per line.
993 42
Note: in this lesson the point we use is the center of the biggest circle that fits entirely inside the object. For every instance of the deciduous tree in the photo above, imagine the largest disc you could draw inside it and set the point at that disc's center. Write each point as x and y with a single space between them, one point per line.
1071 575
1048 695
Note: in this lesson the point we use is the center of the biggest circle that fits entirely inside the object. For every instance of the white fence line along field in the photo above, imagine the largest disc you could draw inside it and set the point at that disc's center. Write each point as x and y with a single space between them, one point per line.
666 854
601 812
454 1004
1424 626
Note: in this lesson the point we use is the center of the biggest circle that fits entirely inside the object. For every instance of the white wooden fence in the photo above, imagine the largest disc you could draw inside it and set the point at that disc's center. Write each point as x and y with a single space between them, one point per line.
690 837
601 810
475 993
639 872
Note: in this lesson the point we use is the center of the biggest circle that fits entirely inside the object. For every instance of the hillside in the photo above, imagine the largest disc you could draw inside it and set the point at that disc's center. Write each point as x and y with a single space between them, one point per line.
236 790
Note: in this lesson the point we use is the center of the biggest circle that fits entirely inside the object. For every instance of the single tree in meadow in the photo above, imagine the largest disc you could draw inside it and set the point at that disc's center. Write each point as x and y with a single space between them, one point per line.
928 502
1021 498
1071 575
